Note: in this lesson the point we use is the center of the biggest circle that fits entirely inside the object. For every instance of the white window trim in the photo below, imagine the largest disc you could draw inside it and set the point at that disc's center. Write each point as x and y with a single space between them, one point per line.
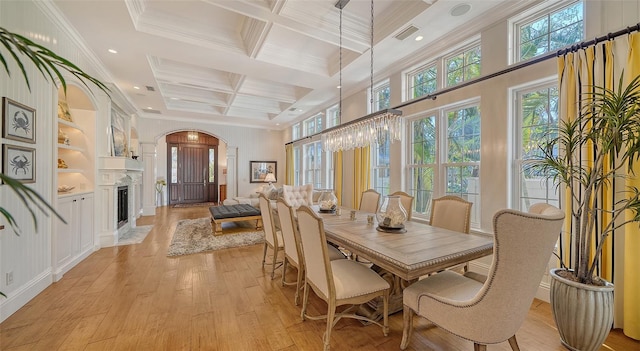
407 75
458 50
531 15
376 87
514 139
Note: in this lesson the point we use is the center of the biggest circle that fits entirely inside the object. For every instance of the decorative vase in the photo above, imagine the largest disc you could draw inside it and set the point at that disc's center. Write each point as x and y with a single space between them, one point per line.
327 201
391 214
583 313
159 198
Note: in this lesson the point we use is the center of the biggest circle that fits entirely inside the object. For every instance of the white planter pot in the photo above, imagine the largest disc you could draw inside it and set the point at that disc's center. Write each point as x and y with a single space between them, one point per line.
583 313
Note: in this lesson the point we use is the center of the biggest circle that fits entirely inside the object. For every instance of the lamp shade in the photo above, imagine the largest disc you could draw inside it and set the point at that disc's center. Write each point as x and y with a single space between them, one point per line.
270 177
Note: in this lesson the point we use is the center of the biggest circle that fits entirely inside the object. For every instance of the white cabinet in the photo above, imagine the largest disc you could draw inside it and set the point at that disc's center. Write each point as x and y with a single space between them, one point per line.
73 241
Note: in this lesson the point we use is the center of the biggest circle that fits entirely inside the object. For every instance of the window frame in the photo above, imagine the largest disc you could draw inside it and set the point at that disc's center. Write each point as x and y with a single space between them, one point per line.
462 50
410 75
374 102
516 155
440 161
544 10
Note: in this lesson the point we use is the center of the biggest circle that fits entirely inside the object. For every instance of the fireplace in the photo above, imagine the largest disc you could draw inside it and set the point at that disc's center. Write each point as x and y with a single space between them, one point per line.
123 205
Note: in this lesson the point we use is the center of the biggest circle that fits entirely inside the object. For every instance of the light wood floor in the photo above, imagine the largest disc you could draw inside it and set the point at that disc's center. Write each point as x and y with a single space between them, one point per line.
136 298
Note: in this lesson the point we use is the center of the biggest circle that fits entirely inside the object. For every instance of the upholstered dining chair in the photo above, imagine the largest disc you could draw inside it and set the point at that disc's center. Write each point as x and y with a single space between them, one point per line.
407 202
297 196
370 201
272 237
453 213
338 282
292 245
493 311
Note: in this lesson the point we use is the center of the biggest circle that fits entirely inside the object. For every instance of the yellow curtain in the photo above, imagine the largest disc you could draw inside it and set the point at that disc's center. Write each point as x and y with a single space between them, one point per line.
337 174
578 71
289 171
632 233
361 174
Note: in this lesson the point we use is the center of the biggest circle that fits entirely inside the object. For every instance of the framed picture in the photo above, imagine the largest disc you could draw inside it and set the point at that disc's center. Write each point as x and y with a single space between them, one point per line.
260 169
19 163
120 145
18 121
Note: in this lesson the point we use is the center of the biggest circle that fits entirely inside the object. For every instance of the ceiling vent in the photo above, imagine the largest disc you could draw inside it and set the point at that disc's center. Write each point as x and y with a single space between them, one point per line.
150 88
293 109
406 32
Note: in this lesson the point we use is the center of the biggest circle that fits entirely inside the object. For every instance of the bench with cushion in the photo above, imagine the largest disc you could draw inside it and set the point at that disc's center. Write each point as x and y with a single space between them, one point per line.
233 213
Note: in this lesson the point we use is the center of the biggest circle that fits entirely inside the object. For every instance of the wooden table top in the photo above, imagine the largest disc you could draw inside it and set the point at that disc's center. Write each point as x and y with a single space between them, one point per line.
421 250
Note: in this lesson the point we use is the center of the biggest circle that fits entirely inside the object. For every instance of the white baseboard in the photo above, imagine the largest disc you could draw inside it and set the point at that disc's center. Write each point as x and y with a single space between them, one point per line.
60 271
108 239
20 297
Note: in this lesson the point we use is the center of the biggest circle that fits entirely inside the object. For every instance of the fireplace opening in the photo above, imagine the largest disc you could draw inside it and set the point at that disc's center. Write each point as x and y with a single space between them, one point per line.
123 205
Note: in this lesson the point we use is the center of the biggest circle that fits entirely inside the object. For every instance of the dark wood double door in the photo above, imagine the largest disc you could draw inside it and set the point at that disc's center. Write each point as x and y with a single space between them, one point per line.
192 164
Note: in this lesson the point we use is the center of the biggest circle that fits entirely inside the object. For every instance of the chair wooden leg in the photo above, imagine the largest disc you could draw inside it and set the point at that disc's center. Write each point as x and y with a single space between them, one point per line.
514 343
264 254
407 314
273 264
284 269
478 347
298 284
331 313
305 299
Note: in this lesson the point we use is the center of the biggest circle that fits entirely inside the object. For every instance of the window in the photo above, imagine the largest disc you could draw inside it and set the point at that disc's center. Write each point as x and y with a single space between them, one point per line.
463 65
331 171
312 163
444 157
422 81
380 166
537 116
297 179
333 116
295 131
381 97
313 125
550 31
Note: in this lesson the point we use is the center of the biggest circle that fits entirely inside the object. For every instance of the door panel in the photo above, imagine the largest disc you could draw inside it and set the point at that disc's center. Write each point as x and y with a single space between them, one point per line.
194 172
192 169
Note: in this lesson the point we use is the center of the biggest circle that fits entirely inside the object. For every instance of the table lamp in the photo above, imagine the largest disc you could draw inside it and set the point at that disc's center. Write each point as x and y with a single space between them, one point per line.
270 178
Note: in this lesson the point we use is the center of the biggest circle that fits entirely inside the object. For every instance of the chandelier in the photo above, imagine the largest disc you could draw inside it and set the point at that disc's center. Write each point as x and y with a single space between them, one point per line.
378 127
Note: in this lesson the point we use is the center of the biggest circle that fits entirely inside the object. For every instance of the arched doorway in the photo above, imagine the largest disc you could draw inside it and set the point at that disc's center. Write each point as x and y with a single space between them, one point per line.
192 164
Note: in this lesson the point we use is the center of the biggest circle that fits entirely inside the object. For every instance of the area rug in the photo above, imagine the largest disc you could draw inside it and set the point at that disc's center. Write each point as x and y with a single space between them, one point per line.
194 235
199 204
134 235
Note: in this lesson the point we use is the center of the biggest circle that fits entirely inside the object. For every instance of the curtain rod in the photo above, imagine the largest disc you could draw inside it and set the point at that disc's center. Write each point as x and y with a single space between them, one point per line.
524 64
572 48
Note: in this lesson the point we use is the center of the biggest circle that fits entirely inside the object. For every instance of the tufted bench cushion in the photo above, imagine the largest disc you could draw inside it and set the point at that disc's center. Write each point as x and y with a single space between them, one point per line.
233 213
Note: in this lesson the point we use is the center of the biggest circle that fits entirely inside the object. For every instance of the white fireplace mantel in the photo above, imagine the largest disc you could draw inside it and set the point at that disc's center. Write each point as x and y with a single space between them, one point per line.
114 172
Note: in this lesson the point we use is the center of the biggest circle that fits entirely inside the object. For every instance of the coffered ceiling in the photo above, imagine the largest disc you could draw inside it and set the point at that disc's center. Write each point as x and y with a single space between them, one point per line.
260 63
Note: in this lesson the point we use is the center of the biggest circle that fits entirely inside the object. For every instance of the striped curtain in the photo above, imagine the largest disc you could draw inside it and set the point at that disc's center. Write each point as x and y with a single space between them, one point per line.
337 175
579 72
289 171
631 300
361 173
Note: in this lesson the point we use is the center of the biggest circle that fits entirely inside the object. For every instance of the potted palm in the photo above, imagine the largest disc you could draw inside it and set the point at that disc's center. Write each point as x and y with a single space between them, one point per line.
50 66
586 155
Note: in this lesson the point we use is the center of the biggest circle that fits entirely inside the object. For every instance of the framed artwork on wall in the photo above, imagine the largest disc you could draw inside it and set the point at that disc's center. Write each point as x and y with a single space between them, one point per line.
18 121
19 163
260 169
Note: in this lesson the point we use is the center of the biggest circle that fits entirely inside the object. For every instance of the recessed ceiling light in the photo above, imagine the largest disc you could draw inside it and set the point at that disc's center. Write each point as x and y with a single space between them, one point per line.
113 51
277 124
149 108
460 10
339 86
174 98
136 87
419 37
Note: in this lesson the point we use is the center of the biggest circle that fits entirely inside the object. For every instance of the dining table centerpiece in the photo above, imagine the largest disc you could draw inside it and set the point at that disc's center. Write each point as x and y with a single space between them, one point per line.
392 215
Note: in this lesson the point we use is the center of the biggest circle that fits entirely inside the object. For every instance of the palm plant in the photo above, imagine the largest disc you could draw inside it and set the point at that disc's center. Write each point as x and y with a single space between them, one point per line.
608 127
50 66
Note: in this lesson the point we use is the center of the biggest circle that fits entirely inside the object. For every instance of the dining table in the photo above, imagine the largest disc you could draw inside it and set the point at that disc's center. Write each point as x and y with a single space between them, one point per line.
401 256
